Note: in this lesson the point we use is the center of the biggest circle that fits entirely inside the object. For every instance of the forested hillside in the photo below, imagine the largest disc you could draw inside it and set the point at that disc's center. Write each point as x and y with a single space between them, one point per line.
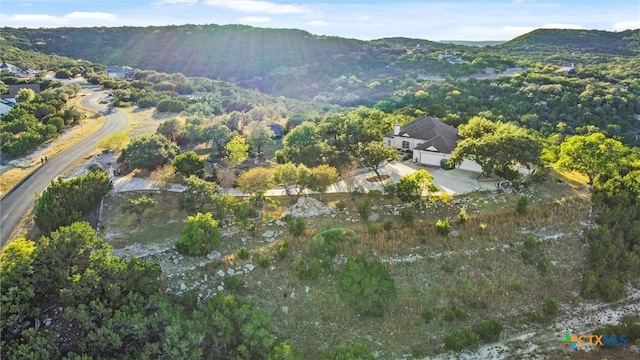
592 42
278 61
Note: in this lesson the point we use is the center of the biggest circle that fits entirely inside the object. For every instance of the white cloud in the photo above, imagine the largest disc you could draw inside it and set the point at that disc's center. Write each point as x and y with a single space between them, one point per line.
255 6
29 18
317 23
626 25
81 15
255 19
175 2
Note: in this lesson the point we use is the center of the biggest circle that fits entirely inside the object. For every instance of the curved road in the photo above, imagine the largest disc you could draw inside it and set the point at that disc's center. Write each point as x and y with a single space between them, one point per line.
15 204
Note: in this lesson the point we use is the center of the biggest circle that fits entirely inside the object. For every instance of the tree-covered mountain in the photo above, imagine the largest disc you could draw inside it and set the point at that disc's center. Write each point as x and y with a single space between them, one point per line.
278 61
592 42
298 64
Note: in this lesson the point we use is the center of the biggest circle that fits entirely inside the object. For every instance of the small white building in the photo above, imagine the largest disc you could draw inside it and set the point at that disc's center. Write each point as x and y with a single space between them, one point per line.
566 67
429 139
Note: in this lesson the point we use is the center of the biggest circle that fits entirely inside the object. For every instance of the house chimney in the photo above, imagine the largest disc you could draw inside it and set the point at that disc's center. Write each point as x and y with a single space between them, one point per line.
396 130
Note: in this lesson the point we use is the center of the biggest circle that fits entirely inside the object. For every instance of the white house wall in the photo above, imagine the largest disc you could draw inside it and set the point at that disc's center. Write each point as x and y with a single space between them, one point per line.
433 159
428 157
396 142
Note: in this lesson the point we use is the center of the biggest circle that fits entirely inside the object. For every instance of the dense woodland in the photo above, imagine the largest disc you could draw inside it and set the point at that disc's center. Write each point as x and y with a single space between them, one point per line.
334 98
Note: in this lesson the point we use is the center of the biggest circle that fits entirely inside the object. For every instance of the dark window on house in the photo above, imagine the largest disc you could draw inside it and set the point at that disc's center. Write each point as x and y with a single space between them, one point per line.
388 142
405 145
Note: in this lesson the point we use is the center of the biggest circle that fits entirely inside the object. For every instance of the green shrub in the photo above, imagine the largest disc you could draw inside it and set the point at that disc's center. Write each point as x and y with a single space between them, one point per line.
531 252
233 283
483 227
453 313
264 261
321 247
428 315
462 216
407 216
284 351
544 265
388 225
445 197
96 167
340 205
307 269
374 227
200 235
243 253
358 351
550 308
297 226
364 209
489 330
627 325
522 205
366 286
283 250
461 339
443 227
445 164
375 193
389 189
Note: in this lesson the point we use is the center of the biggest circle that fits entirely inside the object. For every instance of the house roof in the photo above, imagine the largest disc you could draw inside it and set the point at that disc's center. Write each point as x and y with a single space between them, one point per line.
436 135
277 129
14 89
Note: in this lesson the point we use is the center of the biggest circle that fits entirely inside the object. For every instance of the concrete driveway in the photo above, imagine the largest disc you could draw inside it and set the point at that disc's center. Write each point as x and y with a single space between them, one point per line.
453 181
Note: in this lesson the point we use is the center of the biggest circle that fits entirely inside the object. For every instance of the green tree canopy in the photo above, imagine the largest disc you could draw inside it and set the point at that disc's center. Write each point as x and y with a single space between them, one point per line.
25 95
411 188
591 155
258 135
255 179
64 202
323 176
172 129
198 193
237 150
496 145
149 152
189 163
200 235
366 286
287 175
375 153
139 205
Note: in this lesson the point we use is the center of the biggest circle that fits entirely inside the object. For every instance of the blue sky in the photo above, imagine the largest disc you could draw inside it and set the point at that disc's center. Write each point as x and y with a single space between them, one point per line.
361 19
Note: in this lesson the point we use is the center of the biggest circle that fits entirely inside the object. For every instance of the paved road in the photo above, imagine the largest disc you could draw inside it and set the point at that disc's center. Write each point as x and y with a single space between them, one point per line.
16 203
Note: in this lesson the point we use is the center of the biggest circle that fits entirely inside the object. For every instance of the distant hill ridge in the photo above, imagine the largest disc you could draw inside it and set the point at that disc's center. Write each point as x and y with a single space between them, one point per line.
239 51
551 41
299 64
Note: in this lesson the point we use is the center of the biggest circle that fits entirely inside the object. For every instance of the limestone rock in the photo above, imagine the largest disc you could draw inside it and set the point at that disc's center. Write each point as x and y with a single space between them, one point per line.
308 207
